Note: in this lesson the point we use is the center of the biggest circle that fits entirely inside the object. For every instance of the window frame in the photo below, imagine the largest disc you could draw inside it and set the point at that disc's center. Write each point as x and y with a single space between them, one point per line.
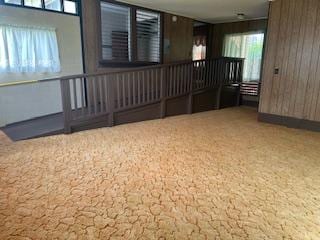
133 33
43 8
249 33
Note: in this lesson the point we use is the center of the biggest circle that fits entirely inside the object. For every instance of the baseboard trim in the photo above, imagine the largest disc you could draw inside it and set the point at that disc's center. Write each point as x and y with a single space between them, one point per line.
289 122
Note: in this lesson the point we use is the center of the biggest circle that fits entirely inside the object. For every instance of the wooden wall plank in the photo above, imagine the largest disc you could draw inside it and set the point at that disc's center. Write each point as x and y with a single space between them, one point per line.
303 77
284 66
294 48
288 76
179 35
313 87
279 59
270 53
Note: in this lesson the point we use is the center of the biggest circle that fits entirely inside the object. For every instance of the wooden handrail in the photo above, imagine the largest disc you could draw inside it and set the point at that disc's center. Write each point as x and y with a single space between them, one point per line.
89 96
110 72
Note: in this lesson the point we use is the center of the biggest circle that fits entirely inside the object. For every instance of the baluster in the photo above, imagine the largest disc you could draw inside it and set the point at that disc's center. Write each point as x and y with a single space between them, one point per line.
106 90
82 96
152 84
89 91
163 91
143 86
124 98
95 100
186 77
139 88
66 104
101 94
129 89
171 81
134 88
118 91
157 82
74 83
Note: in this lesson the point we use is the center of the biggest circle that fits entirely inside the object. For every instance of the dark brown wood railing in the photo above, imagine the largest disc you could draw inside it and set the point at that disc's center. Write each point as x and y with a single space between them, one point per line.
91 97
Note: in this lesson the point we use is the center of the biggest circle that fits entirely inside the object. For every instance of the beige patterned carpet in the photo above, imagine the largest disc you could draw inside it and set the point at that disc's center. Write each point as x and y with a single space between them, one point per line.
214 175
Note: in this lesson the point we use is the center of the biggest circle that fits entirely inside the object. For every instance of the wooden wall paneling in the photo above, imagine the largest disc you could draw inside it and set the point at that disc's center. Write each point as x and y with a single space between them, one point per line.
303 77
270 53
289 29
312 88
293 46
288 78
279 59
218 32
297 68
90 34
180 36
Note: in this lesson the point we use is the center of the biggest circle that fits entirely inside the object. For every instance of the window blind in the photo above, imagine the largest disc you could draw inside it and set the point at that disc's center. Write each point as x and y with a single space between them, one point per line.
148 36
115 32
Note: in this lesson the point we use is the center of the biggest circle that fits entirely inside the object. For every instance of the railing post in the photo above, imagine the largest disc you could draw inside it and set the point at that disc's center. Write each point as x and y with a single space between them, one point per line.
66 105
163 92
190 97
111 100
241 62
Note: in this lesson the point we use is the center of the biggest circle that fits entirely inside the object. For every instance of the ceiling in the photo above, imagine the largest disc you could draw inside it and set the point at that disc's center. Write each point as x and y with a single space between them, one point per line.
212 11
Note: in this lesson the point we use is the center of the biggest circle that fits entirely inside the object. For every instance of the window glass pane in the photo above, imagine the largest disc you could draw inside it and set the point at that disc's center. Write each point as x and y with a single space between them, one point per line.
115 32
250 47
28 50
69 6
148 36
53 5
199 48
17 2
33 3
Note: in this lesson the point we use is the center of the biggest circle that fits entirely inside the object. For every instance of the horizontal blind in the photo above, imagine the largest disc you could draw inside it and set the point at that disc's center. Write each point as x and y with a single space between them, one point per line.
115 32
148 36
249 88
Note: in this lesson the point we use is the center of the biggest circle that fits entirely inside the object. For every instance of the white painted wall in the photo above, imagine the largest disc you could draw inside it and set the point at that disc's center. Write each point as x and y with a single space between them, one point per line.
22 102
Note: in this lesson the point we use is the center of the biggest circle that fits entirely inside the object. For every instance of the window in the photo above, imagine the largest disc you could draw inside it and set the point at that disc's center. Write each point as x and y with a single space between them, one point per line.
199 48
70 6
53 5
250 47
148 36
200 33
16 2
115 32
129 35
65 6
28 49
33 3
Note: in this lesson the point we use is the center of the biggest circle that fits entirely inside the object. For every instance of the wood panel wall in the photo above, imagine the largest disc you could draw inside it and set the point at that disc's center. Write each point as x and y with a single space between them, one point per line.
218 32
179 35
90 28
293 47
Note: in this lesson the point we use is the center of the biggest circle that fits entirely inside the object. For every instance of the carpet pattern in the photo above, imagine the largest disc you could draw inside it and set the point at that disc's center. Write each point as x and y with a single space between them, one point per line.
213 175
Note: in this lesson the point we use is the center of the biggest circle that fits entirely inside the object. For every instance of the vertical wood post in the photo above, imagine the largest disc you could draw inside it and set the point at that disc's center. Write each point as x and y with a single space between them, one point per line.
218 97
163 92
111 100
190 97
66 105
240 80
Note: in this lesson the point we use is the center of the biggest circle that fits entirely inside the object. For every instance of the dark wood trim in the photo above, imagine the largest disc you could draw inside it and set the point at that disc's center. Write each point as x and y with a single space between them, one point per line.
133 31
289 122
77 2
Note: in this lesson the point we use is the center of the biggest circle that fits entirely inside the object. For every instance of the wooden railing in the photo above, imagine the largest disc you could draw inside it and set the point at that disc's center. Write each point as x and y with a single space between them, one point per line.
88 97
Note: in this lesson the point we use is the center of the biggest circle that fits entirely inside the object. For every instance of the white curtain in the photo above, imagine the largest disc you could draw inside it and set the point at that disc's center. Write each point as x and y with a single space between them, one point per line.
250 47
28 50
